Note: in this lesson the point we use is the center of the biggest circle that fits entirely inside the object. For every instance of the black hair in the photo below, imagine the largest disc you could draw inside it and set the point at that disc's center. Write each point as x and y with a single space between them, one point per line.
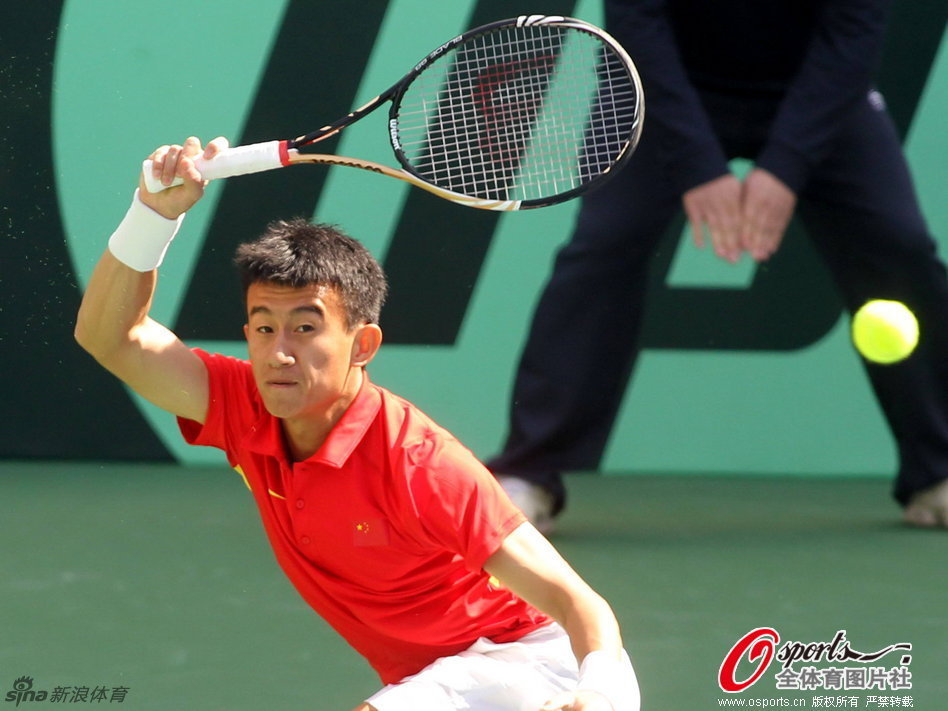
298 253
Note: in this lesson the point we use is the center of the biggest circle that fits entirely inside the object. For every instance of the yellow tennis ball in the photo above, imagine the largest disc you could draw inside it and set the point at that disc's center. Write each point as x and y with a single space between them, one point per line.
884 331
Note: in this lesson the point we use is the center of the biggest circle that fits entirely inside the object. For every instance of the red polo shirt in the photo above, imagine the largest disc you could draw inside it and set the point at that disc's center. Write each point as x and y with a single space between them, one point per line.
384 531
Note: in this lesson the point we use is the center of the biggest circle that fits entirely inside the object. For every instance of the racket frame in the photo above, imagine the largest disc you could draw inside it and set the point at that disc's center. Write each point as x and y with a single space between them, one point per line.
394 94
276 154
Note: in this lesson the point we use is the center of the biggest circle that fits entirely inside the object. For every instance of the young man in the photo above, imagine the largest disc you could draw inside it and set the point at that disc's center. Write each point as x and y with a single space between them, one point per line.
385 524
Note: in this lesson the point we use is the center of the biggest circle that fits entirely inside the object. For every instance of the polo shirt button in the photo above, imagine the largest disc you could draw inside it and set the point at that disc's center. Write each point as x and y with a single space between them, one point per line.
305 540
299 503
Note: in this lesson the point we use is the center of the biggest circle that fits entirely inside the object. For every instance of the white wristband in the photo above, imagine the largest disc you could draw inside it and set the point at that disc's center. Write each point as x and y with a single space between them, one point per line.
142 237
613 678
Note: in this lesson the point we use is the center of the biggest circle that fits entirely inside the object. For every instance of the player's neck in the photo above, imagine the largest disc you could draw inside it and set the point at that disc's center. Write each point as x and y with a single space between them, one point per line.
306 433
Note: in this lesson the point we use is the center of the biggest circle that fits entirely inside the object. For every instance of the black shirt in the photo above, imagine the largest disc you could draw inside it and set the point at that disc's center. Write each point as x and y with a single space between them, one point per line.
814 58
743 43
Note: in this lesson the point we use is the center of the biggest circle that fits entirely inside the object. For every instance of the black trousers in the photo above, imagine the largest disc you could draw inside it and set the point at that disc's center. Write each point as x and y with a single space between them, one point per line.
859 207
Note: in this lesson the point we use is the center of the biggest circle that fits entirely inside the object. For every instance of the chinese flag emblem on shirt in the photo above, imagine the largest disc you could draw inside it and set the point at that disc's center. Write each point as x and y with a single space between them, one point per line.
370 532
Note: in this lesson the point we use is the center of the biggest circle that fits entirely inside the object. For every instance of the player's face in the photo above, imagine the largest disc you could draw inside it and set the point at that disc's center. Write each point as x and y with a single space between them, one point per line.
301 350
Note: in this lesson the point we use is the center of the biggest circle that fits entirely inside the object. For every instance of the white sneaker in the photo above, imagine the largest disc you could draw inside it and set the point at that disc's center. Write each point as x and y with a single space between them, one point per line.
929 507
533 500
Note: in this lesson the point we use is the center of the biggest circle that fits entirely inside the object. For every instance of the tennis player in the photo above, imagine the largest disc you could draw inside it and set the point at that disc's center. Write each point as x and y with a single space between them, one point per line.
386 525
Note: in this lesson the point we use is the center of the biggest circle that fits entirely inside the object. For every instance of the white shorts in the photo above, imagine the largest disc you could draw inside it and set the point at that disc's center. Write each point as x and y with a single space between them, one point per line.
514 676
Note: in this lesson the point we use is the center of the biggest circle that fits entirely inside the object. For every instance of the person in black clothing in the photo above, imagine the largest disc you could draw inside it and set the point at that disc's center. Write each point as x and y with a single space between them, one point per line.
786 84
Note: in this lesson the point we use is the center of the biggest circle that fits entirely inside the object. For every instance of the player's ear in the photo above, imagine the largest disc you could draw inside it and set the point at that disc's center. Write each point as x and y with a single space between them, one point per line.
246 331
368 338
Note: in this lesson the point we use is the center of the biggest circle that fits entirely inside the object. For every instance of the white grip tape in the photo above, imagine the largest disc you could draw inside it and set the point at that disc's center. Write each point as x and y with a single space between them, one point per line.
240 160
611 677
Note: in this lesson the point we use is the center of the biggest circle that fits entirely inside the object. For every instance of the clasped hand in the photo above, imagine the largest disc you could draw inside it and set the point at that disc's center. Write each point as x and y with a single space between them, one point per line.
749 216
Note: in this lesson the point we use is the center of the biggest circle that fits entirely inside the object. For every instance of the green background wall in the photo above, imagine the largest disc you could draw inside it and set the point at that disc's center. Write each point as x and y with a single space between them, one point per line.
88 93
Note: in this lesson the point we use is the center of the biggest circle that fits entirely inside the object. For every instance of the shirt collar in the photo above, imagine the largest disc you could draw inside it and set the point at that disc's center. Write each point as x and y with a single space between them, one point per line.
266 435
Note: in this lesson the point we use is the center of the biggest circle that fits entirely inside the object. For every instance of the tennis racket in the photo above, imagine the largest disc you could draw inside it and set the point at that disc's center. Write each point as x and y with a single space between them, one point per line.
516 114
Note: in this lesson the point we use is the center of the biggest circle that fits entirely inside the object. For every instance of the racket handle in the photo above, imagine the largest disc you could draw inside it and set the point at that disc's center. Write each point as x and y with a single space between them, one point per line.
239 160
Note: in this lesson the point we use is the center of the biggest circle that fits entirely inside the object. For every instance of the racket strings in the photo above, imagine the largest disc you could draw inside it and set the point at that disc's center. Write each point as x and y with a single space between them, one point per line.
519 114
471 144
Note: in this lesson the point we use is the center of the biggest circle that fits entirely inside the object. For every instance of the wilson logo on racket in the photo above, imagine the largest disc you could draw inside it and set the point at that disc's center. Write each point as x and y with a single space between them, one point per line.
393 134
516 114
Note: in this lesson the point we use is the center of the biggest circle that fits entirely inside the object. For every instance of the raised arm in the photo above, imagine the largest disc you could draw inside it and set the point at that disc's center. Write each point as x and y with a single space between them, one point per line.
113 323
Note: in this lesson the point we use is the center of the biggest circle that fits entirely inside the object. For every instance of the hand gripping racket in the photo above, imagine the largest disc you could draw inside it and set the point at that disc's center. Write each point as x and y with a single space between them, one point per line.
516 114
